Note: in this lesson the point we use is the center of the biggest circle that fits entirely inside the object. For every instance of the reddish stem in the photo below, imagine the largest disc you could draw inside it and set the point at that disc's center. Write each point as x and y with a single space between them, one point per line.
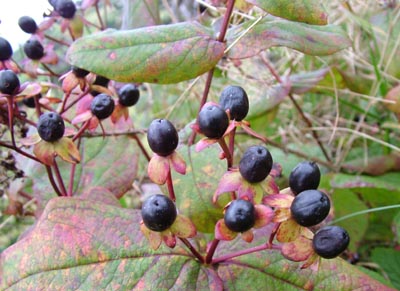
192 249
81 130
99 17
142 148
227 153
170 186
52 182
57 40
72 175
76 100
232 141
225 21
211 251
59 178
245 252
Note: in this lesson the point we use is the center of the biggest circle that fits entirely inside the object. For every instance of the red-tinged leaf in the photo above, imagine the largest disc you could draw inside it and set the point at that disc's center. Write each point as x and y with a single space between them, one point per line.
118 113
154 238
85 116
264 215
140 14
31 89
100 194
229 182
67 150
247 236
307 11
251 192
222 232
281 215
269 185
269 32
204 143
278 200
158 169
157 54
44 151
288 231
305 81
183 227
298 250
30 140
87 245
178 163
168 238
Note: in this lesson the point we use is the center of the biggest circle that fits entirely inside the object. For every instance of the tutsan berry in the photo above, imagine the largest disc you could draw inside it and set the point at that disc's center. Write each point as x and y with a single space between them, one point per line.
240 215
102 106
100 81
66 8
50 126
213 121
255 164
9 82
78 72
27 24
33 49
162 137
235 99
30 102
128 95
330 241
310 207
305 176
5 49
158 212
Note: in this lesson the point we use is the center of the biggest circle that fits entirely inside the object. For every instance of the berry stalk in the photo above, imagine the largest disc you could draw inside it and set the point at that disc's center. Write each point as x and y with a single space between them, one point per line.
192 249
245 252
59 178
227 153
211 251
170 187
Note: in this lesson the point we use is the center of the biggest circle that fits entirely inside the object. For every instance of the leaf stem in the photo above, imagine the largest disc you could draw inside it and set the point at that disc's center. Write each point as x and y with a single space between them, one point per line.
59 178
227 153
192 250
211 251
376 209
225 21
245 252
81 130
170 186
52 182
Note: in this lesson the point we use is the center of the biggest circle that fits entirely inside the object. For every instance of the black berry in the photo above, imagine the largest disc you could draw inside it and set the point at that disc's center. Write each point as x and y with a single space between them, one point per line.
235 99
27 24
240 215
34 49
305 176
100 81
30 102
310 207
66 8
5 49
128 95
330 241
255 164
9 82
213 121
162 137
158 212
79 73
102 106
51 126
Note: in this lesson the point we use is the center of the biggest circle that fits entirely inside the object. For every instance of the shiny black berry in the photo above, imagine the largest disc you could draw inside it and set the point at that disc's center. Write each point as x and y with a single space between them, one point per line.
240 215
50 126
310 207
34 49
79 73
27 24
100 81
235 99
162 137
128 95
158 212
5 49
255 164
66 8
102 106
330 241
30 102
9 82
213 121
305 176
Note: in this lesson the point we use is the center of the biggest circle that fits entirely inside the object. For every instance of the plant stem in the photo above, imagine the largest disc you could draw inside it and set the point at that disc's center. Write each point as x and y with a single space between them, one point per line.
245 252
170 186
211 251
232 141
52 73
52 182
192 249
99 16
365 212
142 148
225 21
81 130
56 40
227 153
75 101
59 178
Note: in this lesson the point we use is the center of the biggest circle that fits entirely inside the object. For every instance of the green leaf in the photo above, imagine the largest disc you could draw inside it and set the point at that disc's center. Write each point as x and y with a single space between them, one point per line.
389 261
308 11
270 31
140 13
87 245
396 227
194 191
156 54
